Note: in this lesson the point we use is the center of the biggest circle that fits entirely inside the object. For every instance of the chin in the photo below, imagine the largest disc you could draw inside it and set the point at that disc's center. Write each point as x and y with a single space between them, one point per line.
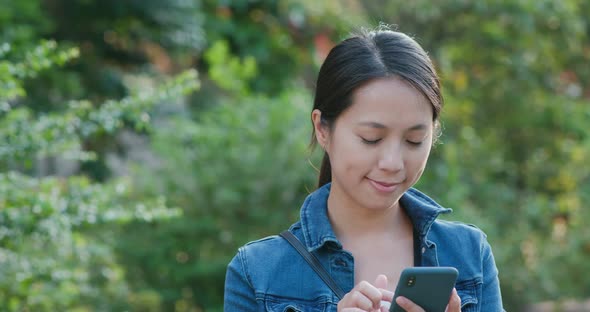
387 199
383 205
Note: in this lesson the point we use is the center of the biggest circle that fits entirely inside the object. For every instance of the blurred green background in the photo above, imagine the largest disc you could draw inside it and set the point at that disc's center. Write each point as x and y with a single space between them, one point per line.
143 141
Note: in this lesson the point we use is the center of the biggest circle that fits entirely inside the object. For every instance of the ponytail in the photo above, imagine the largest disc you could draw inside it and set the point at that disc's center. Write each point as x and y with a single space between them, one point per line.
325 175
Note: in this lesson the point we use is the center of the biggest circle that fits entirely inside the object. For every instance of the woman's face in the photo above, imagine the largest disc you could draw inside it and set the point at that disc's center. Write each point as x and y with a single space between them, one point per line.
379 146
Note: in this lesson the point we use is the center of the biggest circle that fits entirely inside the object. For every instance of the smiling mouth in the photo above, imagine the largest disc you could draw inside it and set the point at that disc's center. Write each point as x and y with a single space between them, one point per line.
384 186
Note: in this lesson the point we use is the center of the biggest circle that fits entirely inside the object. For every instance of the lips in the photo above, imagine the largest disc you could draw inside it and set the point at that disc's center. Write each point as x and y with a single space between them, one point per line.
385 187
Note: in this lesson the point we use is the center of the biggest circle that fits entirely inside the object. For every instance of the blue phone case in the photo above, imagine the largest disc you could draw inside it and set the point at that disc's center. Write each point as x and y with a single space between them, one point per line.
428 287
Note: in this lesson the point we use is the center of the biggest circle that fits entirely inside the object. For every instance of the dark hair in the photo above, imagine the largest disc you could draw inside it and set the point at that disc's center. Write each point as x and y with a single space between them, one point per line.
362 58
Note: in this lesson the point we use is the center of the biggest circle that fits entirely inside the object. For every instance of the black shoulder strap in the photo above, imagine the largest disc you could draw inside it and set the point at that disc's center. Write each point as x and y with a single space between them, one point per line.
313 262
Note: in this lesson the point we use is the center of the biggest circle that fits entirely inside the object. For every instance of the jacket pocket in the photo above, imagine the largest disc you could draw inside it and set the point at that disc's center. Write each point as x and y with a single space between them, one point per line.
281 304
469 291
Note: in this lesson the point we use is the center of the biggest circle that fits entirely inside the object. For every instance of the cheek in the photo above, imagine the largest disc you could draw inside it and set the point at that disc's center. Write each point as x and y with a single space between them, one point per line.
417 164
348 154
418 174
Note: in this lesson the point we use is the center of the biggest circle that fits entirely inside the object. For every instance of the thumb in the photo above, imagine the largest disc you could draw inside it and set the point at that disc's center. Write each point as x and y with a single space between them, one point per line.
381 281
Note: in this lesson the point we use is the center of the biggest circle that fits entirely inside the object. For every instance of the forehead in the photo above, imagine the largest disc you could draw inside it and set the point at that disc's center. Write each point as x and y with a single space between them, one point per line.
391 102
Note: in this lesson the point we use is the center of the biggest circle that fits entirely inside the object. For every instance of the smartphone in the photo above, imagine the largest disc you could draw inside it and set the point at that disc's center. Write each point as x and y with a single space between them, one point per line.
428 287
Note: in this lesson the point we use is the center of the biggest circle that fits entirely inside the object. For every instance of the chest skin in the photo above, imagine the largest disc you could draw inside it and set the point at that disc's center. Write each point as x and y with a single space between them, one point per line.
381 255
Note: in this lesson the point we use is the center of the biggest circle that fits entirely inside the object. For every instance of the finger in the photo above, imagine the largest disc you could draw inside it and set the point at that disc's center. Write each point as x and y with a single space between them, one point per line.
454 302
371 292
385 305
408 305
381 281
386 295
359 300
364 296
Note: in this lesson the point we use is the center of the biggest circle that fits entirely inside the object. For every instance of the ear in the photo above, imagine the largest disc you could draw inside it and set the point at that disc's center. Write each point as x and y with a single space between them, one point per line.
322 133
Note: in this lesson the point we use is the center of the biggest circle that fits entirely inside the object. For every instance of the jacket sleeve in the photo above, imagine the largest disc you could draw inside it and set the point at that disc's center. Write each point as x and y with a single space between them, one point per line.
491 295
238 294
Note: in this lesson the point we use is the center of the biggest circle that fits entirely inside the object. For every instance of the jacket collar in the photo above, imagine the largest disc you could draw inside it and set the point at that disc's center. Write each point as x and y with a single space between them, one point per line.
317 230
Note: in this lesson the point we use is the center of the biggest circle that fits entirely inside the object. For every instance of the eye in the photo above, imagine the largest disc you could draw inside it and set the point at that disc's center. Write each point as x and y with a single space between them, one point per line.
413 143
370 142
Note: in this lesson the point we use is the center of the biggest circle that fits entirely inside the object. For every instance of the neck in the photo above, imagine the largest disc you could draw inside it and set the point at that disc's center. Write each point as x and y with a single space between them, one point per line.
352 221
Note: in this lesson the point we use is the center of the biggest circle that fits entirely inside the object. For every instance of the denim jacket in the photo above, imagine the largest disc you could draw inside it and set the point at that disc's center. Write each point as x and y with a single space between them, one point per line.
269 274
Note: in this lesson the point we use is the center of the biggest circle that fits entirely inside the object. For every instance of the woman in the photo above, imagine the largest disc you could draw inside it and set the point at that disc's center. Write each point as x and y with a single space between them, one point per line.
376 115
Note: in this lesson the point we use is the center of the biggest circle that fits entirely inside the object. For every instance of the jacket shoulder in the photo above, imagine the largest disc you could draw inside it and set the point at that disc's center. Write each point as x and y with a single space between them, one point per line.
266 254
271 243
264 244
457 232
459 227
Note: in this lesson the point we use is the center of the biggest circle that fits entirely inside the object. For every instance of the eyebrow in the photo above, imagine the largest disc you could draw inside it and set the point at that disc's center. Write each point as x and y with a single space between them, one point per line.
377 125
372 124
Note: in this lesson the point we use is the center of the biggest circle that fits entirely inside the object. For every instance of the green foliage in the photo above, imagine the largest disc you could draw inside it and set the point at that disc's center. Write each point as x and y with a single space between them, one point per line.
22 23
29 137
278 35
229 72
55 233
115 39
48 259
12 74
239 172
234 160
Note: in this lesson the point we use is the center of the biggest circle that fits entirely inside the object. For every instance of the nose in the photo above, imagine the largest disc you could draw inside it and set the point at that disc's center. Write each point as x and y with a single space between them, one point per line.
391 158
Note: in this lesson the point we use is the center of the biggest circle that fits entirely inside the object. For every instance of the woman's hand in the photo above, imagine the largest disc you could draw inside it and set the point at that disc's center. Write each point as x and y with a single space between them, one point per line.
366 297
453 306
